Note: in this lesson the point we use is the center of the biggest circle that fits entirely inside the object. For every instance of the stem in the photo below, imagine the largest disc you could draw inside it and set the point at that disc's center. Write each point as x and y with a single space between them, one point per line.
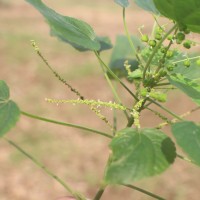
175 120
127 32
156 49
165 54
193 58
129 37
166 109
130 122
184 158
114 122
115 94
99 193
144 191
45 169
162 84
66 124
113 89
114 76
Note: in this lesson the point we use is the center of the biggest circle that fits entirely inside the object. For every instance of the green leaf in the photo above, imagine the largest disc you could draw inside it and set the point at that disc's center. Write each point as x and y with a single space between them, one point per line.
122 52
187 135
105 43
139 154
147 5
123 3
189 87
192 72
9 111
185 12
73 31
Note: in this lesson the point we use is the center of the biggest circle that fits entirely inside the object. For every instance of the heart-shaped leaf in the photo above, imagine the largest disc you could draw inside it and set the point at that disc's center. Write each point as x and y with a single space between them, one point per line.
9 111
187 135
73 31
139 154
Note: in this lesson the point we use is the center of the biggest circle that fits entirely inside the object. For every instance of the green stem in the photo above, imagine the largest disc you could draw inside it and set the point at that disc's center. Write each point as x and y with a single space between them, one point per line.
156 49
161 84
175 120
99 193
46 170
193 58
66 124
165 54
114 122
115 94
130 122
166 109
144 191
127 32
113 89
184 158
129 37
114 76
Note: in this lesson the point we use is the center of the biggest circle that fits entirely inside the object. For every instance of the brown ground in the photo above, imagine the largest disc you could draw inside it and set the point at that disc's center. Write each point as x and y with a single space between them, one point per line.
76 156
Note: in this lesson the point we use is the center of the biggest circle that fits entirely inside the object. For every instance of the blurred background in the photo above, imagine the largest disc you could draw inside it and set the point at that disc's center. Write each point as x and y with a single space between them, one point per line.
77 156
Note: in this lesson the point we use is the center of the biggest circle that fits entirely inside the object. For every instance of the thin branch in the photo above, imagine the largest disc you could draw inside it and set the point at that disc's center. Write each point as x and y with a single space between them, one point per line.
166 109
129 37
66 124
175 119
156 49
113 89
144 191
46 170
115 77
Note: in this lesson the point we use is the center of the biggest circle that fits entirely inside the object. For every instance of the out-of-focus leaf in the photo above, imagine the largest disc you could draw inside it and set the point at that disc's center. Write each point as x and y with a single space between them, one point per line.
76 32
123 3
187 135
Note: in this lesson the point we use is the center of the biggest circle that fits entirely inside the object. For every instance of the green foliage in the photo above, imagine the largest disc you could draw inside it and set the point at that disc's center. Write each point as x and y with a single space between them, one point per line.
122 52
9 111
189 87
105 43
191 73
123 3
76 32
153 65
138 154
187 136
147 5
177 9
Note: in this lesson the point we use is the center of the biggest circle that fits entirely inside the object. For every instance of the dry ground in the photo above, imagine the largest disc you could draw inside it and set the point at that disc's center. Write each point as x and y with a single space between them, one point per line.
76 156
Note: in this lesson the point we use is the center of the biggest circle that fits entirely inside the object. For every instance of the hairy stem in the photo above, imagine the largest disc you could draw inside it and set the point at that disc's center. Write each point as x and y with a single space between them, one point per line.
66 124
